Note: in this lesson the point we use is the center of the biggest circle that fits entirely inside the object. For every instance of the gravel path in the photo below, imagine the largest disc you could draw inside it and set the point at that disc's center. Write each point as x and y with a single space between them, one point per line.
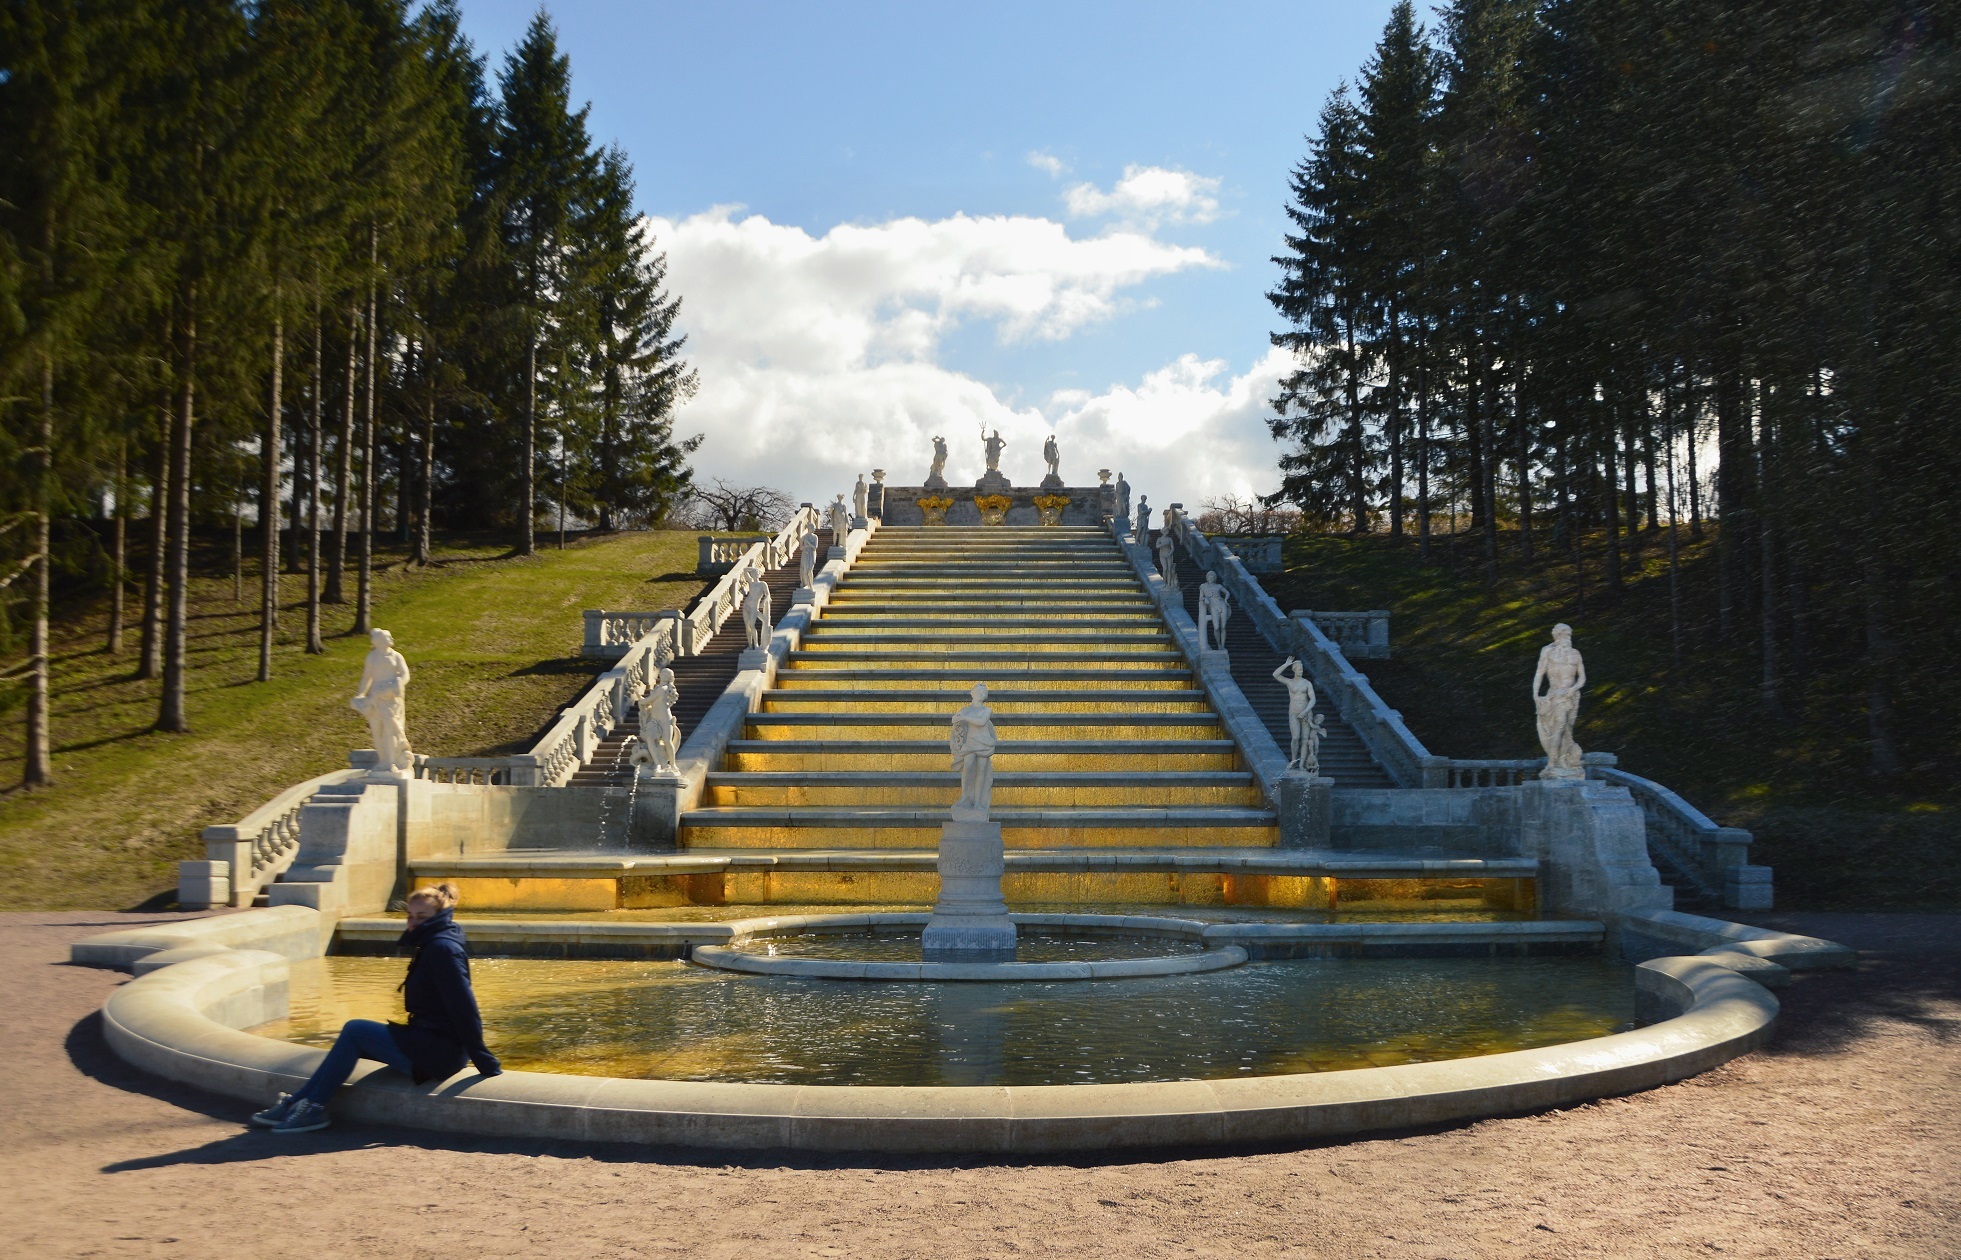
1842 1139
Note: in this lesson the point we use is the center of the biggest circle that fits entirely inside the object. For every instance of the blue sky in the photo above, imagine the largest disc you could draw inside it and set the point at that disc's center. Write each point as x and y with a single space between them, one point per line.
1043 217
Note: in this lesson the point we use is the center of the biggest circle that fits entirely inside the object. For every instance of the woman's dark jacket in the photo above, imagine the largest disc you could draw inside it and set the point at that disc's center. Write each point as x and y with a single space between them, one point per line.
444 1028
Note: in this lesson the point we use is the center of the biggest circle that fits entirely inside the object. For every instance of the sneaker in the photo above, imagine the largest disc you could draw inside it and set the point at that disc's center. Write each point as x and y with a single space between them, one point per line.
305 1117
274 1114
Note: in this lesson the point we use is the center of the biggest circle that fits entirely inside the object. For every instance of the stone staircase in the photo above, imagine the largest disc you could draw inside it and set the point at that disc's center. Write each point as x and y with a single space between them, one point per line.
1107 742
1344 757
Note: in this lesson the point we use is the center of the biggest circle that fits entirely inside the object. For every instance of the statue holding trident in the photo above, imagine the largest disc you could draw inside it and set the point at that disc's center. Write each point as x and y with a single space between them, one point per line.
1305 727
1564 672
382 700
972 741
993 446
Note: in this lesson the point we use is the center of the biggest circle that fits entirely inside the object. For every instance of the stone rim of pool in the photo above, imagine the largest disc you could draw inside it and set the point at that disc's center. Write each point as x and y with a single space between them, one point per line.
182 1021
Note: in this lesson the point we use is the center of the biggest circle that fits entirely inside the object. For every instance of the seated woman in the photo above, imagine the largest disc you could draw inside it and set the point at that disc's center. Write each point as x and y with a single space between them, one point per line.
444 1029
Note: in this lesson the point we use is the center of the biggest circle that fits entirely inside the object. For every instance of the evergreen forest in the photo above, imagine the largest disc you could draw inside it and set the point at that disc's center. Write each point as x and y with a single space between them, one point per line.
1584 287
307 275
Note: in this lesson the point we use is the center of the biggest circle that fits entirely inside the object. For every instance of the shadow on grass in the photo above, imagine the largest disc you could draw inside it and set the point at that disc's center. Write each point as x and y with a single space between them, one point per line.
558 667
679 575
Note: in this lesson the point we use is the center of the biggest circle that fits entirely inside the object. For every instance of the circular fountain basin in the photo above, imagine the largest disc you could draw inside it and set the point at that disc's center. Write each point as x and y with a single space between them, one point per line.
1050 948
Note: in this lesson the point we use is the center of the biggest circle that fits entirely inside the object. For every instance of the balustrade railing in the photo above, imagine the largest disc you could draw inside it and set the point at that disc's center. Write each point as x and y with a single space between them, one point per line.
260 846
1359 635
1694 843
481 771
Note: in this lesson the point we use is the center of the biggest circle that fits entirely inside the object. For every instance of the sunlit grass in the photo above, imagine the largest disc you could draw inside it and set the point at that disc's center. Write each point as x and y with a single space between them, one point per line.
493 643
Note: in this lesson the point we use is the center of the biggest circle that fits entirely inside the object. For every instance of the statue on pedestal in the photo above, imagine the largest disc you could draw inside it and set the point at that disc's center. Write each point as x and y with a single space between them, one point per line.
1214 606
1143 518
1305 727
840 521
660 734
1168 559
807 559
1052 456
936 476
1564 673
860 497
382 700
993 446
972 741
756 610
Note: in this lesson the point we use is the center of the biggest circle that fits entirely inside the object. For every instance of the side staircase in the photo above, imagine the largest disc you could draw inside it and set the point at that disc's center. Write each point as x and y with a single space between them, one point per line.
701 679
1344 757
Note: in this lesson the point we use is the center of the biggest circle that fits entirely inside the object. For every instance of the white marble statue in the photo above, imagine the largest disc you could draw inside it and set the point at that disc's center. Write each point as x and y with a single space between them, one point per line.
938 470
382 700
1168 559
1144 518
807 559
1305 727
993 446
660 734
1052 456
840 521
1214 606
1564 674
972 741
756 611
860 498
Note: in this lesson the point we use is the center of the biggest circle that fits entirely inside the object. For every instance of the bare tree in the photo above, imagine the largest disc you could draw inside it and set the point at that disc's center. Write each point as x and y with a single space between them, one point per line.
729 507
1231 514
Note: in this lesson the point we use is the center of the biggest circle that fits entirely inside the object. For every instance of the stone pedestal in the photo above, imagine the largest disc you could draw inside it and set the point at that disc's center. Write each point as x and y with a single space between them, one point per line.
753 658
971 916
1305 803
1052 482
992 483
656 816
803 595
935 482
859 522
1214 657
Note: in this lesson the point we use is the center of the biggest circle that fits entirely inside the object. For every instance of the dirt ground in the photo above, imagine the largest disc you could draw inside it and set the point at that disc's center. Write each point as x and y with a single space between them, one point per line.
1841 1139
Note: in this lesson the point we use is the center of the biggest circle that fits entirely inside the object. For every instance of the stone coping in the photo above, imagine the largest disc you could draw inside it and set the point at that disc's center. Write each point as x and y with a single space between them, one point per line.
1259 861
733 958
182 1022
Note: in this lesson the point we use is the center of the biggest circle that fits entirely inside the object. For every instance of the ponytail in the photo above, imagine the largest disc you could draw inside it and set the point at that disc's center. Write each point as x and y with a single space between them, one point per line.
445 896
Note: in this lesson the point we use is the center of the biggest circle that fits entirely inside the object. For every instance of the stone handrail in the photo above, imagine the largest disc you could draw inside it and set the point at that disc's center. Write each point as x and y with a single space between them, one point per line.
613 633
720 554
1697 846
1359 635
482 771
258 848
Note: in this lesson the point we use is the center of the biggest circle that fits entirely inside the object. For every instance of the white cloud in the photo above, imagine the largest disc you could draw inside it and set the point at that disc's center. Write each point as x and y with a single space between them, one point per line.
1149 195
819 355
1049 162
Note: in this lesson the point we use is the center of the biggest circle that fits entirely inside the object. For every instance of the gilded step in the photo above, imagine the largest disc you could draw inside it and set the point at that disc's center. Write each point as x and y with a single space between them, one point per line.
1138 757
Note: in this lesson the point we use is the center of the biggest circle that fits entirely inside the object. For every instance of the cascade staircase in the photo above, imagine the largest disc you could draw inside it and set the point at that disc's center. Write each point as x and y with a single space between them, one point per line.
1344 757
1107 741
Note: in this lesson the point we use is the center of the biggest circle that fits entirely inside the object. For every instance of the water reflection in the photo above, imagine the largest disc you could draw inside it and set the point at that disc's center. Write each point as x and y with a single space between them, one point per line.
670 1020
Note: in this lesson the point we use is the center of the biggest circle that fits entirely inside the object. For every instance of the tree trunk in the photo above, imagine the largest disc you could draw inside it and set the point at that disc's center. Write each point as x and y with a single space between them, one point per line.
1394 425
238 546
1732 495
37 768
427 459
1423 449
119 549
1610 512
1693 407
1488 481
1630 451
1674 545
527 543
315 438
1522 436
363 588
1356 438
1880 654
269 495
171 715
337 553
151 651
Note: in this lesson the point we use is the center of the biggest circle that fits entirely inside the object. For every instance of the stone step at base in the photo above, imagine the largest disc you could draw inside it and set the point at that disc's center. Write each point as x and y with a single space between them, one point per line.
1001 699
1012 790
732 828
807 677
948 656
1012 726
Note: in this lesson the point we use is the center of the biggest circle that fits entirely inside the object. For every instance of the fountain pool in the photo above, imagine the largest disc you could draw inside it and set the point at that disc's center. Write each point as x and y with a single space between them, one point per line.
669 1020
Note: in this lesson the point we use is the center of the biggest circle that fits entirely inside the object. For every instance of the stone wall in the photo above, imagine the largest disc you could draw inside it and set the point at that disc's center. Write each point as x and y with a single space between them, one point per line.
1452 822
1088 505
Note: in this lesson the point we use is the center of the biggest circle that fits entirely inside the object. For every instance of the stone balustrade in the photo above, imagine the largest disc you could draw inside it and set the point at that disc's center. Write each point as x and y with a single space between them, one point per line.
1715 858
1359 635
241 858
719 553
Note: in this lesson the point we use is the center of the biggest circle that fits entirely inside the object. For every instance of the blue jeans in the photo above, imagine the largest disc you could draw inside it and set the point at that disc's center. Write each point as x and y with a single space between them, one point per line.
359 1039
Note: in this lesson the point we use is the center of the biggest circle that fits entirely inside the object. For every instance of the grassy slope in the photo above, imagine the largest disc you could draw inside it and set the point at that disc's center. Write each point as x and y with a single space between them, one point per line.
492 641
1464 655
